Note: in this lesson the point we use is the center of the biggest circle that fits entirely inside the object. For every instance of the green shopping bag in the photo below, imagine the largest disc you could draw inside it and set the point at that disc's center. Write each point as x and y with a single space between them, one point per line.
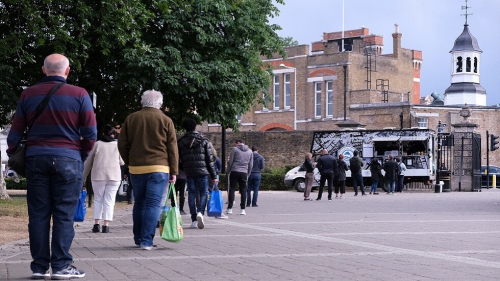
172 223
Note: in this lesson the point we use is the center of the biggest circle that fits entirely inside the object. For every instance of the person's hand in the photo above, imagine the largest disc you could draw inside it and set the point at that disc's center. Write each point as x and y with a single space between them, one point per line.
216 180
172 178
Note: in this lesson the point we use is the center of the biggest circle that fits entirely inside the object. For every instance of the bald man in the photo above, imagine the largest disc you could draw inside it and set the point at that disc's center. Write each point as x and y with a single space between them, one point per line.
58 143
327 167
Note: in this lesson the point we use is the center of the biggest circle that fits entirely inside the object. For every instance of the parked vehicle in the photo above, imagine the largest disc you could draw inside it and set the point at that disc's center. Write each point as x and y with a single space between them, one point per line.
295 178
494 170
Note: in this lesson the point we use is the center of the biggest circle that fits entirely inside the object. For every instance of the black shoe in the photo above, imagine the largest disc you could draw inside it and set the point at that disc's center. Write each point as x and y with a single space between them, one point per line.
255 205
158 224
67 273
248 205
356 194
364 194
105 229
375 193
182 212
96 228
317 199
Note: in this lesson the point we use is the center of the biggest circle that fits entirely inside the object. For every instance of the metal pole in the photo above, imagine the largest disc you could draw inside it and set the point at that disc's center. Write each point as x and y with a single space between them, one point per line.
223 152
342 27
487 160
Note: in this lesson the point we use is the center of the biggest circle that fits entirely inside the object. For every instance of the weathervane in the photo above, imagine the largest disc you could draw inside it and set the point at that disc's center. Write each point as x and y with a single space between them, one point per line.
466 14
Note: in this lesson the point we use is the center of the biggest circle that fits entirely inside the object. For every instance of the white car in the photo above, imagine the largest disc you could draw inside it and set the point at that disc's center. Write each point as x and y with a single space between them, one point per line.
295 178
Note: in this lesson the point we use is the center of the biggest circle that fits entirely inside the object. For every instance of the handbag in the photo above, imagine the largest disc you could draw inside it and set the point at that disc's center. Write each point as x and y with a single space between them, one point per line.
215 203
17 160
81 208
122 190
172 226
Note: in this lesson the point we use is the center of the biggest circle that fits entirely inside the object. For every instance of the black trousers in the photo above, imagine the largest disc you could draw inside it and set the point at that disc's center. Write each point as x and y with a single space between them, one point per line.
329 179
180 186
339 185
237 179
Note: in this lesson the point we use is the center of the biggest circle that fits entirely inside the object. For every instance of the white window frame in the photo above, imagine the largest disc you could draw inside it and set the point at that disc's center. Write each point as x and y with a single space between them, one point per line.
287 90
329 99
317 99
276 92
266 103
423 122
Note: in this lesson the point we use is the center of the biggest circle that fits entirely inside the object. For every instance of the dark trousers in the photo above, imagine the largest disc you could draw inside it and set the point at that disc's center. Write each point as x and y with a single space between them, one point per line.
339 186
180 187
237 179
357 179
329 179
53 188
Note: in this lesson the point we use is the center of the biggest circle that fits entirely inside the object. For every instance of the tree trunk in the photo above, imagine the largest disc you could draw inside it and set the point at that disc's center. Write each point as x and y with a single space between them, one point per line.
3 186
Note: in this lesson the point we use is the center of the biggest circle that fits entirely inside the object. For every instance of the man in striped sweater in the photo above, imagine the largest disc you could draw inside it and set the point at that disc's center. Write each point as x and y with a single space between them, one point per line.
58 143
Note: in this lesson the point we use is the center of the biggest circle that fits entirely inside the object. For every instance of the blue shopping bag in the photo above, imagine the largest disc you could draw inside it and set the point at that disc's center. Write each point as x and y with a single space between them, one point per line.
215 203
81 208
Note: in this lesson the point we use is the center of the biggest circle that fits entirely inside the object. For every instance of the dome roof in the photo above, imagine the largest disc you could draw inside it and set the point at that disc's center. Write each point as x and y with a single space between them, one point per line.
466 42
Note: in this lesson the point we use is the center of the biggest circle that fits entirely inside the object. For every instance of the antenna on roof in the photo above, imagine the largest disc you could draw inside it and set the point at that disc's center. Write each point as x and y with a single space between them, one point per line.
466 9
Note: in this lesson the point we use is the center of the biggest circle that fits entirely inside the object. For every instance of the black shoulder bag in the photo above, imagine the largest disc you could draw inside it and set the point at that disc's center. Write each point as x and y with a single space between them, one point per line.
18 159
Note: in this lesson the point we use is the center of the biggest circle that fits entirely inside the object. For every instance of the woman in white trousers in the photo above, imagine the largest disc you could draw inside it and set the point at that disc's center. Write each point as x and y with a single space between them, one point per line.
104 162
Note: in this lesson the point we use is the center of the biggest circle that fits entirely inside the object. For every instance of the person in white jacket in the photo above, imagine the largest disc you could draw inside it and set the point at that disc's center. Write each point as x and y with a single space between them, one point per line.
401 175
104 161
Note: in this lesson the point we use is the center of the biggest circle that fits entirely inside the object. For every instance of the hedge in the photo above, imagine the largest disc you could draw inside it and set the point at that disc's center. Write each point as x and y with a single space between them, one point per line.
269 182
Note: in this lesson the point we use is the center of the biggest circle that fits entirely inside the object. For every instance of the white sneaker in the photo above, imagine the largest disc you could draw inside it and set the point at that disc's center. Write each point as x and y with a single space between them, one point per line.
199 219
194 224
222 216
229 211
243 212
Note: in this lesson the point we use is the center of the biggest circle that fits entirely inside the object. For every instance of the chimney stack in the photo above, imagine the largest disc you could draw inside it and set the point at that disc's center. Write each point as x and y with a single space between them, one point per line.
396 42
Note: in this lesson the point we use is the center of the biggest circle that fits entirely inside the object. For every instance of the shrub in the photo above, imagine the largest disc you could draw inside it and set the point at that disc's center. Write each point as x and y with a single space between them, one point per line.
12 185
270 181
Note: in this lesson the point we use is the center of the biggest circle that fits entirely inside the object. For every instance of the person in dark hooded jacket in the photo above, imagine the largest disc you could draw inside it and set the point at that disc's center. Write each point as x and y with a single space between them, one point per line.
197 161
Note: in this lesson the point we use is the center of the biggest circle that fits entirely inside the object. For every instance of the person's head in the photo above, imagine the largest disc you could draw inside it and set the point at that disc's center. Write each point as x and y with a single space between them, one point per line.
390 157
341 156
398 160
118 127
152 98
255 148
356 153
189 125
324 152
56 65
238 142
308 156
109 131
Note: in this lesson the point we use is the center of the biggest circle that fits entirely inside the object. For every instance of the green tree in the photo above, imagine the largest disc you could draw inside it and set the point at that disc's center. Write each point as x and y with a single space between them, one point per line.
289 42
203 55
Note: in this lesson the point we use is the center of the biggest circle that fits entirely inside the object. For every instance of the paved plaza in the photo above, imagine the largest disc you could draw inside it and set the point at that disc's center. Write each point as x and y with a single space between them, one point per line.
408 236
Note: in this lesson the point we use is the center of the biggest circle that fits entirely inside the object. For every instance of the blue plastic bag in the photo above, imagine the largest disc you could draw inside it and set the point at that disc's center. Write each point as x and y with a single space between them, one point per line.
81 208
215 203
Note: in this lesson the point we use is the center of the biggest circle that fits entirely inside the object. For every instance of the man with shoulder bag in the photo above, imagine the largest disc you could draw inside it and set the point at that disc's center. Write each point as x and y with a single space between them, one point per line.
61 133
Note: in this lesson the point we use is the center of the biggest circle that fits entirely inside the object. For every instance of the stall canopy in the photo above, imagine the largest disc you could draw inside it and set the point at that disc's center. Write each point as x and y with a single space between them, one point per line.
389 138
413 138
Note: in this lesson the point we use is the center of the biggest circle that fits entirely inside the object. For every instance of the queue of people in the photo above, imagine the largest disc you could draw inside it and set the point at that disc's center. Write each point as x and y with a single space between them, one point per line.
332 170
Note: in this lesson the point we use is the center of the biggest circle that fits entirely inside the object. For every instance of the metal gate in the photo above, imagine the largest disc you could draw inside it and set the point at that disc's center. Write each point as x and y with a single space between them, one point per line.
445 160
476 162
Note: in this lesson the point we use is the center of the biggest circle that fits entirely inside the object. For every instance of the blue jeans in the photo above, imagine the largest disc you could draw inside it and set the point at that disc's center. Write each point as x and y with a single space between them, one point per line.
54 184
374 186
357 179
391 186
148 190
200 184
253 185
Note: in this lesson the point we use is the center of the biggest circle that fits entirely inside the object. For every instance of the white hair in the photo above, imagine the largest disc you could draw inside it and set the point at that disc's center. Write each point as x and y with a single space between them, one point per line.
152 98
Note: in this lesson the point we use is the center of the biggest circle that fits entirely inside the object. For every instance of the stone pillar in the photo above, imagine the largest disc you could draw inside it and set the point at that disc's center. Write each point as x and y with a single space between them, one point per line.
462 156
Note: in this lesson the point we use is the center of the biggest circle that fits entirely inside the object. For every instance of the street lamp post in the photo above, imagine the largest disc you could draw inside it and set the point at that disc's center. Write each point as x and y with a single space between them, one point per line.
294 95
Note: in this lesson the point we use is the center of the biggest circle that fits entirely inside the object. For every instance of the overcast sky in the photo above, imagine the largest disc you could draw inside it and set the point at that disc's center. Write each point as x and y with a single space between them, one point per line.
430 26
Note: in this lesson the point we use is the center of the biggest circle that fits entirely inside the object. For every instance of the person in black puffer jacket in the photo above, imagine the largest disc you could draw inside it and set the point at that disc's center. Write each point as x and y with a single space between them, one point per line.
197 161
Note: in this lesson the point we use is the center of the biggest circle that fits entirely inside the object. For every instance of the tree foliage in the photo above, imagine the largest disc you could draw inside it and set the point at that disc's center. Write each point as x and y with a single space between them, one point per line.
289 41
203 55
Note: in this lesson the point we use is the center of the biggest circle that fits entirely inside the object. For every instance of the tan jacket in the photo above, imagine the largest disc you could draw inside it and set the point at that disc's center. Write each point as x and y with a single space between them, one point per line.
148 142
105 161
